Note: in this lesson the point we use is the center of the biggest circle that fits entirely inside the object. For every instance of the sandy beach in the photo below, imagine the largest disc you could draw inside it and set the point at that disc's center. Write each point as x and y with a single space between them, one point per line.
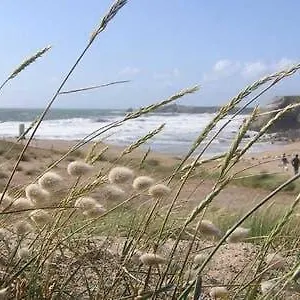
43 153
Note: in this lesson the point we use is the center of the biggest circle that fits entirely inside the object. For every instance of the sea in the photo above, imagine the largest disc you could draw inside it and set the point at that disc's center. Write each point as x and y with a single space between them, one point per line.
177 137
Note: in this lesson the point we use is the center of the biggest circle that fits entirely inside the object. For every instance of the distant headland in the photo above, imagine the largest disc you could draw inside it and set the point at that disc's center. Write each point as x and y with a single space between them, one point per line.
185 109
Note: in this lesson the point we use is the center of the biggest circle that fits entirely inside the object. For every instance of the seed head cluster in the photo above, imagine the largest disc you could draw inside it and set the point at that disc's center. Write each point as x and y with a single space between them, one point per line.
119 175
6 201
238 235
50 181
274 261
95 211
22 204
159 191
152 259
142 183
89 207
23 227
85 203
24 253
219 292
79 168
199 259
208 228
113 193
37 194
40 217
267 286
4 293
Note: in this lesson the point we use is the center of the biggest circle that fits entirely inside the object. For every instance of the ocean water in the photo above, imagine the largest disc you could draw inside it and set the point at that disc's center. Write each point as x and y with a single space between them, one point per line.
178 135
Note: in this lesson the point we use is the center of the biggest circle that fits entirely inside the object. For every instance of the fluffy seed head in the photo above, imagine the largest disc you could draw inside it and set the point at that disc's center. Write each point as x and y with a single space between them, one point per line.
114 193
159 190
95 212
6 201
219 292
40 217
4 294
267 286
274 261
22 203
296 274
79 168
3 234
85 203
239 235
22 227
200 258
37 194
50 181
151 259
135 258
142 183
190 274
23 253
208 228
120 175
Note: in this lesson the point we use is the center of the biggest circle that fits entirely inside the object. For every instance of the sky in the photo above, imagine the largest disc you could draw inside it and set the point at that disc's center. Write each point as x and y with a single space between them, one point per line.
162 46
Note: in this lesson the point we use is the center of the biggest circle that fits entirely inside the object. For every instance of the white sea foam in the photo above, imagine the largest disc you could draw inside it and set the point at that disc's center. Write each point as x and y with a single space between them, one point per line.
176 138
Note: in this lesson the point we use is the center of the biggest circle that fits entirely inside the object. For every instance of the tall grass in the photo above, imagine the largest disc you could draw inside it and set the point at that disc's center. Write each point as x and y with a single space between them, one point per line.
116 228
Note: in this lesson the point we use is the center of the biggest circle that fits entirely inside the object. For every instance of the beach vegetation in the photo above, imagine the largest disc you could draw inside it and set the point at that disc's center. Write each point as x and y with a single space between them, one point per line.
146 228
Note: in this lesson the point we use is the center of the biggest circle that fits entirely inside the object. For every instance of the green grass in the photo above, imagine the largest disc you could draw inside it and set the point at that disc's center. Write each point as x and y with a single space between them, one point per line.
267 181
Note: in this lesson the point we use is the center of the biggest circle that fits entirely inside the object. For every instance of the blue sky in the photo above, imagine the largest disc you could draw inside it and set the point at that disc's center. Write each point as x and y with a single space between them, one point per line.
161 45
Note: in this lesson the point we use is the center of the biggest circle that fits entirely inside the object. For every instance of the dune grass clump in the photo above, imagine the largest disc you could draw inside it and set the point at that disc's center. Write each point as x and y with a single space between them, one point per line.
60 242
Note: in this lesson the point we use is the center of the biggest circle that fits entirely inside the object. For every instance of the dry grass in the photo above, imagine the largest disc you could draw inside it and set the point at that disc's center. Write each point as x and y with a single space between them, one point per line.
123 242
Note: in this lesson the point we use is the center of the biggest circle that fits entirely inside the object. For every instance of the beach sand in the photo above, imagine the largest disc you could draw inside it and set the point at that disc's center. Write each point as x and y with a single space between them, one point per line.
43 153
232 258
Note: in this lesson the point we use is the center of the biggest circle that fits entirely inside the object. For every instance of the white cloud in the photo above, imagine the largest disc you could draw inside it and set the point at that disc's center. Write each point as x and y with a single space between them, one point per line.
175 73
222 65
222 69
130 71
225 68
254 69
284 63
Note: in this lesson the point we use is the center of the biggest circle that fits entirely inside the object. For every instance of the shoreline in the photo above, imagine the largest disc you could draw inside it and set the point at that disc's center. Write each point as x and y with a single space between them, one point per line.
269 159
64 145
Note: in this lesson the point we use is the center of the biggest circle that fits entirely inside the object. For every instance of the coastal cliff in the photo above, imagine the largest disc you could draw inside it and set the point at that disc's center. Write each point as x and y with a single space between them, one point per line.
288 124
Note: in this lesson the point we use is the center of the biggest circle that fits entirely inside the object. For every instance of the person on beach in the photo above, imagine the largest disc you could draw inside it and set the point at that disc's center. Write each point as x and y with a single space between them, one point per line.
284 162
295 164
